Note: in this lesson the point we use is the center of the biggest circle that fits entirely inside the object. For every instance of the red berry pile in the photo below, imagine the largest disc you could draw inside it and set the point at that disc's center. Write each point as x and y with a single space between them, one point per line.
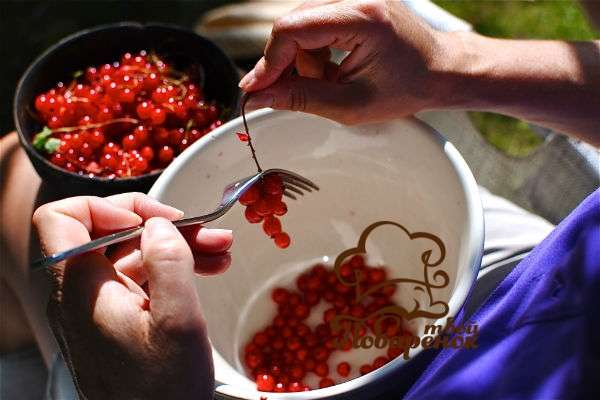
284 353
123 119
264 203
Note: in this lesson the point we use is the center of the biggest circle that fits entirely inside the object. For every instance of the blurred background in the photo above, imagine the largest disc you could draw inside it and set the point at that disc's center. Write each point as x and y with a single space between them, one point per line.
28 27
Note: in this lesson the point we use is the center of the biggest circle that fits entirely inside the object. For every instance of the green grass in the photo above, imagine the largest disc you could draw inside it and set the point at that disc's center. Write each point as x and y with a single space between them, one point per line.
558 19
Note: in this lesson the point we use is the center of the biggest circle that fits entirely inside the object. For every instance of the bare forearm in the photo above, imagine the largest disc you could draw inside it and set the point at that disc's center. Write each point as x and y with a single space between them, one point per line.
551 83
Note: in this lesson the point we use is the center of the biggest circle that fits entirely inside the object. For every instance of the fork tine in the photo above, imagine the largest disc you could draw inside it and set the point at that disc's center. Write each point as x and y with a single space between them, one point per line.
294 182
292 188
290 175
287 193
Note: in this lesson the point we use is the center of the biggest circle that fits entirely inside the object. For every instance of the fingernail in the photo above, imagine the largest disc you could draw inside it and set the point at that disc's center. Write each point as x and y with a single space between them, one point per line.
248 80
220 231
261 100
138 219
177 211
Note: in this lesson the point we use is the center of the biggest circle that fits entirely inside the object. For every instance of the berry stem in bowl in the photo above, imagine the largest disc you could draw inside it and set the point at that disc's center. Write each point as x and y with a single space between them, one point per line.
92 126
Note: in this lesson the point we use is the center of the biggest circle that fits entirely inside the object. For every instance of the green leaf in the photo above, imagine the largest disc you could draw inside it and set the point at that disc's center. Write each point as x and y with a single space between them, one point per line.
40 138
52 145
77 74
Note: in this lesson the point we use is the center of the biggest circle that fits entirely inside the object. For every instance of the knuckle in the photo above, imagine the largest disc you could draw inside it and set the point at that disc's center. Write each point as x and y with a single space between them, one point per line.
138 196
374 9
40 213
167 251
283 25
178 326
297 98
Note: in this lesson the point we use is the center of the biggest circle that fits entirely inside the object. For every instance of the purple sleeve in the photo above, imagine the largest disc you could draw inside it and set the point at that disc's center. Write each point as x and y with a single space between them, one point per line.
540 328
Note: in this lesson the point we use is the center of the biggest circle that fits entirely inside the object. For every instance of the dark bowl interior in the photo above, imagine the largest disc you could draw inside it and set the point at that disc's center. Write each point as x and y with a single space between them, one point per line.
106 44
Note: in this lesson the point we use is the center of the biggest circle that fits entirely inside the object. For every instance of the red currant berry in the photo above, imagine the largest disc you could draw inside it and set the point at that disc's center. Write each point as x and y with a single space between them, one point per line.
253 360
151 81
260 339
365 369
129 142
380 362
161 136
109 161
295 387
142 134
250 196
86 150
147 153
42 104
326 382
394 352
321 369
139 165
175 136
111 148
343 369
265 383
144 110
165 155
126 95
158 116
280 295
301 354
252 216
280 208
271 225
160 95
273 184
58 160
282 240
96 139
293 343
262 207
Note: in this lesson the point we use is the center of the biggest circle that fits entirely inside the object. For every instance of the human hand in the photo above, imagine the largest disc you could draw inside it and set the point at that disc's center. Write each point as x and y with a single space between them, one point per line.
391 70
128 321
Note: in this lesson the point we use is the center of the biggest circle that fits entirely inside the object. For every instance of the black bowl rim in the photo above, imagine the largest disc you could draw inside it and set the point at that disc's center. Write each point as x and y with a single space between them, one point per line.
66 40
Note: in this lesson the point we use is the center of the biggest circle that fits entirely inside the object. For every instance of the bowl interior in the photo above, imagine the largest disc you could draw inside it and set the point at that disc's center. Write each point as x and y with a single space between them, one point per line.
106 44
401 171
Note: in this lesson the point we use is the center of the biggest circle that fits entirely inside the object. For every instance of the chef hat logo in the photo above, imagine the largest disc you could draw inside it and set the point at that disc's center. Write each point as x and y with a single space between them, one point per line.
433 277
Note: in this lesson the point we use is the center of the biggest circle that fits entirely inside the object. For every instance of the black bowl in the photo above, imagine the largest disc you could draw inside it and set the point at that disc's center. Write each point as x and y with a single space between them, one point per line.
105 44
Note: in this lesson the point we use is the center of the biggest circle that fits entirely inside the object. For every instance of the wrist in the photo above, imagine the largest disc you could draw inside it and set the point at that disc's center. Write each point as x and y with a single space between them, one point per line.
453 69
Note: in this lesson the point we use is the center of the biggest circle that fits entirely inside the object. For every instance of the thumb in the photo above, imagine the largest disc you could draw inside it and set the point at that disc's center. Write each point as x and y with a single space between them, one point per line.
169 263
332 100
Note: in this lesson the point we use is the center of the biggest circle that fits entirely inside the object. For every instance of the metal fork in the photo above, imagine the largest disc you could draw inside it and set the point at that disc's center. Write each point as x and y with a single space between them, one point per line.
293 184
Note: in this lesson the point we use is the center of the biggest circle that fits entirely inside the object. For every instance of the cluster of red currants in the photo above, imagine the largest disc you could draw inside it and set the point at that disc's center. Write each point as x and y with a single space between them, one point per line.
280 356
123 119
264 203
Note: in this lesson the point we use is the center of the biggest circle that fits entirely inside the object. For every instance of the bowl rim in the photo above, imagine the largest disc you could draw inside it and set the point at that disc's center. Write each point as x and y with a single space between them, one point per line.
69 39
475 243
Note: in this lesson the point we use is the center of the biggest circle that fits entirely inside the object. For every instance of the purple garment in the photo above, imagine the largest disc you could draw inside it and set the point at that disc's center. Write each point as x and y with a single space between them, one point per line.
539 331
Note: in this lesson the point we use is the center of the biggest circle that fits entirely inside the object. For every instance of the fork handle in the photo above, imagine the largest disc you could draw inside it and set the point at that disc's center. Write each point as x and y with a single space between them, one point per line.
114 238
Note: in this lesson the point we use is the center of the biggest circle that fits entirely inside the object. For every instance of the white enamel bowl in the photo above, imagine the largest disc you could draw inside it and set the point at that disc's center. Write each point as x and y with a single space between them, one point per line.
401 171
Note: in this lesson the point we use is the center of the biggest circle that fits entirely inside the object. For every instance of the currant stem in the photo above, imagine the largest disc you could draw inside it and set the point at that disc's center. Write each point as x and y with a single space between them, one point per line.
96 125
244 101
